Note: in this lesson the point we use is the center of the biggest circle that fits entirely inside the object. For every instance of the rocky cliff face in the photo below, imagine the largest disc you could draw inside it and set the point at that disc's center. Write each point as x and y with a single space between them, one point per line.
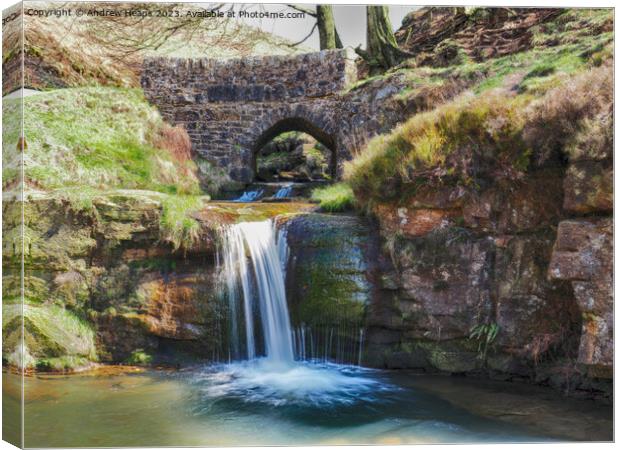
495 204
108 270
510 273
504 259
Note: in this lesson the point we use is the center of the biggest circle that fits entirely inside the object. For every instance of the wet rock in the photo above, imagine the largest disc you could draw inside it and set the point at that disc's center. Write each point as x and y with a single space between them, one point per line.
417 358
326 277
118 336
174 304
334 286
534 313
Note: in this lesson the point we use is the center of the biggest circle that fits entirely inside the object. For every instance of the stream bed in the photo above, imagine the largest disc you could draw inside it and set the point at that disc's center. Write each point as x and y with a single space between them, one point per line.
307 403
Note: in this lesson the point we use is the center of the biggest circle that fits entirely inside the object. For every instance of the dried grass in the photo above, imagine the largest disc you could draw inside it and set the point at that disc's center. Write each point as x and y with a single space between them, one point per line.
562 113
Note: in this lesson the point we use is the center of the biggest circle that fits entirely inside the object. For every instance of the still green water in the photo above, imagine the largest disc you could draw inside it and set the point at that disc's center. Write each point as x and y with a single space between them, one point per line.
310 404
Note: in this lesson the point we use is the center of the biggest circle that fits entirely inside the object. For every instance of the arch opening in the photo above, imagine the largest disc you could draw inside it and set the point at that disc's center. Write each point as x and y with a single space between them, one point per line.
296 150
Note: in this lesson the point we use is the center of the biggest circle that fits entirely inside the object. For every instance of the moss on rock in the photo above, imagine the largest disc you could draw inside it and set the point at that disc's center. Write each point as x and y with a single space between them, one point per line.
50 332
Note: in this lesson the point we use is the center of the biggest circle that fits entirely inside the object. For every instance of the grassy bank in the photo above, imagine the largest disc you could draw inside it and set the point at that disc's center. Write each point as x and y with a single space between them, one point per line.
103 138
524 107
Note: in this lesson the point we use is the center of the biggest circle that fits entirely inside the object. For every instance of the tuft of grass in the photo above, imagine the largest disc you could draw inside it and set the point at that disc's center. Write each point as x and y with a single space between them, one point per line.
485 335
541 70
80 198
177 224
61 363
499 134
335 198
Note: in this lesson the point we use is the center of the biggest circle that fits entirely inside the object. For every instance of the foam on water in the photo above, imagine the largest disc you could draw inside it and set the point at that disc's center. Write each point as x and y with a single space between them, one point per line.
301 383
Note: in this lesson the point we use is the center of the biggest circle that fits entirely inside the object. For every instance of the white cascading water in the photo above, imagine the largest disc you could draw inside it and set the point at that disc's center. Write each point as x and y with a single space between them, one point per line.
238 275
267 270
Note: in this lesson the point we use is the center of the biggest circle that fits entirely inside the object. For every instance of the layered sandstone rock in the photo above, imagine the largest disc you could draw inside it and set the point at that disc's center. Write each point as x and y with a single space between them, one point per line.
502 256
583 255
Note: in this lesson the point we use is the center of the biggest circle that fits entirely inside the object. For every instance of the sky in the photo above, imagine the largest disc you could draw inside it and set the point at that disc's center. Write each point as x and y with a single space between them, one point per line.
350 23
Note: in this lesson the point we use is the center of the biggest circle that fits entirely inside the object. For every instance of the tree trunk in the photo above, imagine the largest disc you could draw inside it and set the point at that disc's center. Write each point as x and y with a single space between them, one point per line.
382 51
328 37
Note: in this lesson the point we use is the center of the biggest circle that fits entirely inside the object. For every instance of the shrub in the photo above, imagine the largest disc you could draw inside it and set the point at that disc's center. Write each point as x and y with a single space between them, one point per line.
175 140
335 198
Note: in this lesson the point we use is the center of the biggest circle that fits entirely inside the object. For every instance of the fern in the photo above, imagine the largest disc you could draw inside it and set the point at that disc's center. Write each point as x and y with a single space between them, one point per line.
485 334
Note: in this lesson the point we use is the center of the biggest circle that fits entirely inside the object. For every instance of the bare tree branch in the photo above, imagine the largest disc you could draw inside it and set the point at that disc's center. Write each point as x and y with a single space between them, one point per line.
300 8
306 38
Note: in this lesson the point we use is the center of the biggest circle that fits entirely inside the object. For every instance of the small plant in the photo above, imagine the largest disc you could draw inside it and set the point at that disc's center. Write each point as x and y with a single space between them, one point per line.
139 358
177 224
485 334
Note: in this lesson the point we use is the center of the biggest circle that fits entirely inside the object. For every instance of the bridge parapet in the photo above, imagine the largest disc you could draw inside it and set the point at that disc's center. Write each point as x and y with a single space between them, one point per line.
254 79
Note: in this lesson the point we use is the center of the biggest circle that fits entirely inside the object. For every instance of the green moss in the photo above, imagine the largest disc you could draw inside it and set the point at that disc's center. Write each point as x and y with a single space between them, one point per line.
328 280
330 296
335 198
49 332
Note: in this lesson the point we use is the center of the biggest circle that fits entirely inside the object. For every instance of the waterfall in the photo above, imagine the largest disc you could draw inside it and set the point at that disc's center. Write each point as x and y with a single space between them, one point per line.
284 192
236 273
262 281
361 347
250 196
339 344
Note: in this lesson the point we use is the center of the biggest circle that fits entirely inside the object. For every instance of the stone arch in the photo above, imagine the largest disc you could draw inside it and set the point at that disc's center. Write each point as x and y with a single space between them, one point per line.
297 123
230 107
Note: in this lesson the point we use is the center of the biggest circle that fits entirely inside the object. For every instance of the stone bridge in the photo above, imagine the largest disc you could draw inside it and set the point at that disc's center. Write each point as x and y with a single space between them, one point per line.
232 108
